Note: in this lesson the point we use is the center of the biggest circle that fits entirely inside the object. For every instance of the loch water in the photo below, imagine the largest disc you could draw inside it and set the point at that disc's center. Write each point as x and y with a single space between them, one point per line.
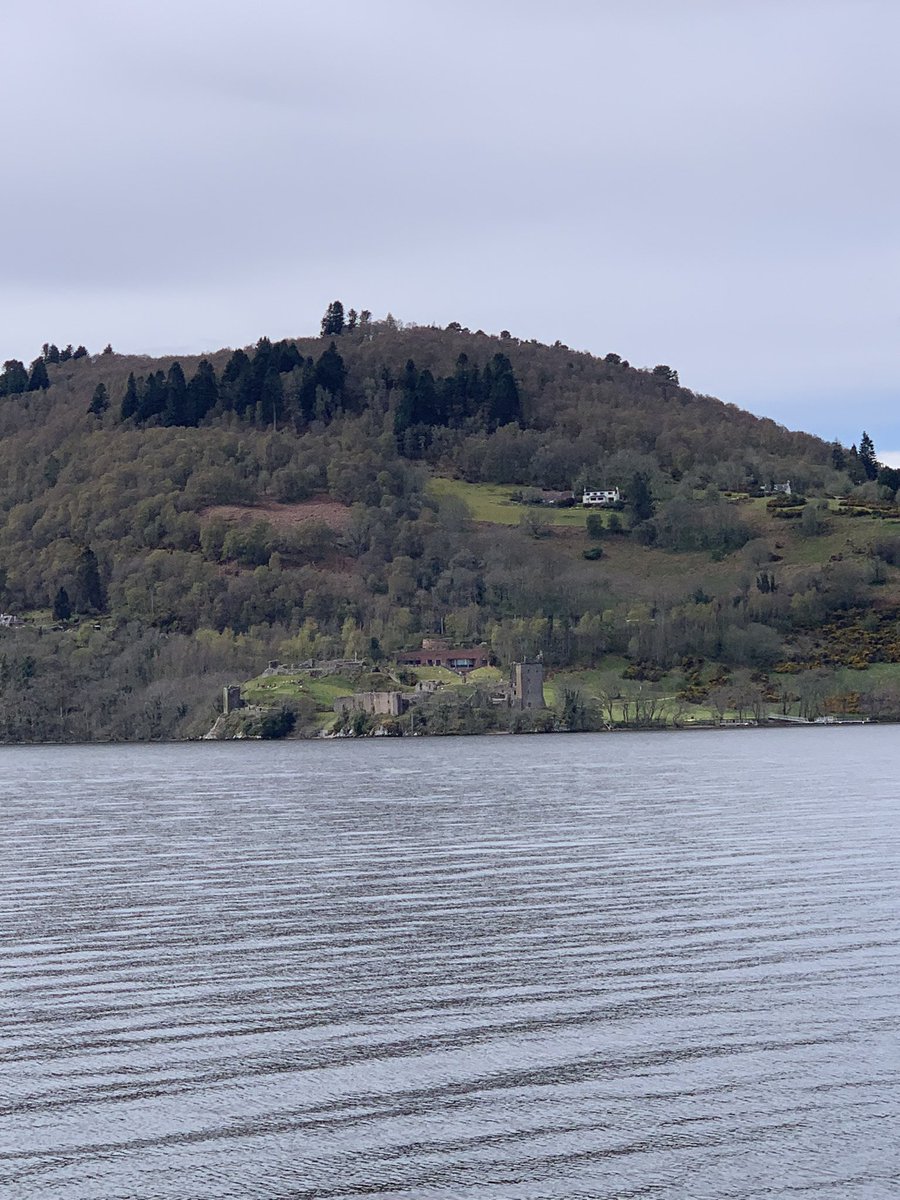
568 967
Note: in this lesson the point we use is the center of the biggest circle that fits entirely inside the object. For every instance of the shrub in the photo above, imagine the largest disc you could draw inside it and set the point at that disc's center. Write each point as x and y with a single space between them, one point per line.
644 671
277 723
782 501
595 525
249 545
534 525
888 550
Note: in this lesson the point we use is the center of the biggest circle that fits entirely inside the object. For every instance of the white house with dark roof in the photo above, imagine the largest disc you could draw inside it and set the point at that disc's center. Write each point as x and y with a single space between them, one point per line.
599 498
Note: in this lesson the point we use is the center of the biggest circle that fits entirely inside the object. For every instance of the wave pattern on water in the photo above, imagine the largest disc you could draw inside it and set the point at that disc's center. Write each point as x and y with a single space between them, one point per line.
538 969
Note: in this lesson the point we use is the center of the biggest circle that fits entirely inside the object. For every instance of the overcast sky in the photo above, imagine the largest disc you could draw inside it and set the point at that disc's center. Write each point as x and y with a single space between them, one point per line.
714 185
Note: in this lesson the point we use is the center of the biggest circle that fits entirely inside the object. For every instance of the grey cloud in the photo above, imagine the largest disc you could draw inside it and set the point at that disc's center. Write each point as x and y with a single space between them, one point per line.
707 184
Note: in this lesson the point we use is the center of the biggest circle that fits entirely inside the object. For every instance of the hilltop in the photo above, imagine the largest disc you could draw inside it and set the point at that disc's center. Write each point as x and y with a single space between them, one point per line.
171 525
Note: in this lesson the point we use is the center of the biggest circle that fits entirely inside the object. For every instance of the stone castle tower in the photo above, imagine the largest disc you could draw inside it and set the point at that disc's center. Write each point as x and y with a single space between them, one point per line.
527 683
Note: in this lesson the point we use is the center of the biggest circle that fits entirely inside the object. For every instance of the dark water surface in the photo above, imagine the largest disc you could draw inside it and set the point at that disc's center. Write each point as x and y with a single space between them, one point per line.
566 967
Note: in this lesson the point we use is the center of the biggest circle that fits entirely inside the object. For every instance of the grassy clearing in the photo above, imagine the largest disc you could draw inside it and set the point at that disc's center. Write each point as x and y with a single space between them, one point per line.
607 679
490 502
589 682
272 689
875 675
845 537
440 674
487 675
808 552
648 567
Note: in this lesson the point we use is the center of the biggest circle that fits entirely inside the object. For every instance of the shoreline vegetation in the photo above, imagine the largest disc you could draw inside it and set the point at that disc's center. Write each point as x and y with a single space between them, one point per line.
169 526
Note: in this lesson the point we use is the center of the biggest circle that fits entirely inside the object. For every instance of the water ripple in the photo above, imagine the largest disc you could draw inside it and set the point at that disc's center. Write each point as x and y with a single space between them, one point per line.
532 969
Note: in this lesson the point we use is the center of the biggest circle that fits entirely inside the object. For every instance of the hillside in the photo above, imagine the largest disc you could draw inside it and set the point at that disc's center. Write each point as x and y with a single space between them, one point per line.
169 527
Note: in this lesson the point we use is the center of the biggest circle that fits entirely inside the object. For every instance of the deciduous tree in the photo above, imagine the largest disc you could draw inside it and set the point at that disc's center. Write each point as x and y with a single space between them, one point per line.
14 379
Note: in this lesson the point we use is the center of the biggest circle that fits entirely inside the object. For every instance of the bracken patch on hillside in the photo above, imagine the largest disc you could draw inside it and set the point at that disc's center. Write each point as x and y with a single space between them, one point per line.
284 516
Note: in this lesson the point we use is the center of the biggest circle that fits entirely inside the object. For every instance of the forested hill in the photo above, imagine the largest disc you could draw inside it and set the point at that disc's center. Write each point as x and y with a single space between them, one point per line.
283 499
446 394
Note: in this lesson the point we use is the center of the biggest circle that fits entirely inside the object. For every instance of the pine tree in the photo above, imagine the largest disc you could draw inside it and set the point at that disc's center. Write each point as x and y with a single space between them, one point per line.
62 606
153 398
262 362
867 456
235 366
272 399
889 477
331 372
458 401
503 403
236 382
131 399
307 391
285 357
333 321
405 408
89 593
38 380
425 407
80 352
99 401
203 392
640 499
176 409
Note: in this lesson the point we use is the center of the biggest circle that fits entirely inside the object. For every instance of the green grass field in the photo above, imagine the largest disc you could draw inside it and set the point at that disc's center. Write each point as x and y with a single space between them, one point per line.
875 675
440 674
271 689
490 502
488 675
